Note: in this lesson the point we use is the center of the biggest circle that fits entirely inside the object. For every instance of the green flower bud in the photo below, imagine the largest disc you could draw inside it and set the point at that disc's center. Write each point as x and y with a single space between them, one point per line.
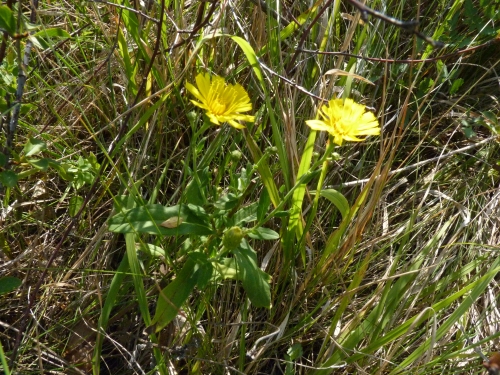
235 156
232 238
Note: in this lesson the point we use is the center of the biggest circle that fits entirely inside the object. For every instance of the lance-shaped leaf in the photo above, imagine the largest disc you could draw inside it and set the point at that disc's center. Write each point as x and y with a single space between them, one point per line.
254 280
196 271
158 219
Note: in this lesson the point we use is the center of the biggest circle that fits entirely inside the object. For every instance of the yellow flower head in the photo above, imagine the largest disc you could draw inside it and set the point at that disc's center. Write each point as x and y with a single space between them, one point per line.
222 102
345 120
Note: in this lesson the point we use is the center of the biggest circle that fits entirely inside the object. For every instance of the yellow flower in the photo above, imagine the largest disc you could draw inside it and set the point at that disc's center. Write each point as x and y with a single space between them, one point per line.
222 102
345 120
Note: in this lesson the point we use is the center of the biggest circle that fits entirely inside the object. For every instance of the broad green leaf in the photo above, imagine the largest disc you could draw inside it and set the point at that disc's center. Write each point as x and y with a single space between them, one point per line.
177 292
158 219
8 284
130 67
34 147
199 212
264 205
491 117
8 178
226 269
75 204
152 250
491 121
295 222
195 190
294 352
456 85
227 202
44 39
263 234
250 55
7 20
338 200
120 203
244 215
40 164
254 280
204 269
53 32
109 302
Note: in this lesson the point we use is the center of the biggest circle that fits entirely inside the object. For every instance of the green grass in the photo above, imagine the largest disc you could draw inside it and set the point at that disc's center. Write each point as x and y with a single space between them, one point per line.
381 255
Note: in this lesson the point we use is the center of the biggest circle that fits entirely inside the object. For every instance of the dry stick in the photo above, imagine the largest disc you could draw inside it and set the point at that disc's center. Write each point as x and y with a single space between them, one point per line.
410 26
132 10
199 23
419 164
290 82
406 61
266 9
304 36
75 219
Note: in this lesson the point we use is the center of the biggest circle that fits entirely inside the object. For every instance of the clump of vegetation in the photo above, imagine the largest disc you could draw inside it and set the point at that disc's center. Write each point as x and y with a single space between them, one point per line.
249 188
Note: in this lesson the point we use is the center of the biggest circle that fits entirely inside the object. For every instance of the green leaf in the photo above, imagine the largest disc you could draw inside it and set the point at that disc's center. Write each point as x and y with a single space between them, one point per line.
490 116
161 220
75 204
204 268
295 227
282 214
263 234
226 269
130 67
43 39
152 250
8 179
3 159
41 164
254 280
7 20
227 202
34 147
491 121
250 55
244 215
468 132
8 284
195 271
456 85
294 352
264 205
338 200
195 190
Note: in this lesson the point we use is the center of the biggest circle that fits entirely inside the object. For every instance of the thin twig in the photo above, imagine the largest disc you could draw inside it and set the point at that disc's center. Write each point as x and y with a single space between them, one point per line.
410 26
142 14
406 61
416 165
